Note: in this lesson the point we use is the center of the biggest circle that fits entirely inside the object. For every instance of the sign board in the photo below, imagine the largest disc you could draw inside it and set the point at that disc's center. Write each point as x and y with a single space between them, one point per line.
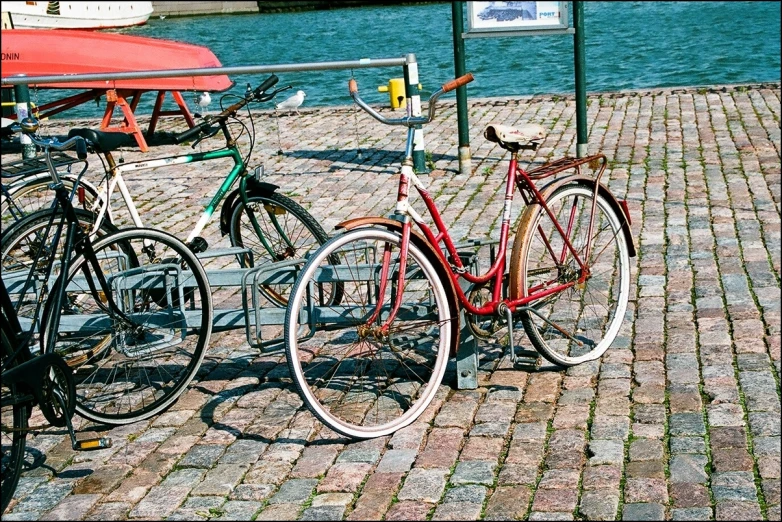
516 18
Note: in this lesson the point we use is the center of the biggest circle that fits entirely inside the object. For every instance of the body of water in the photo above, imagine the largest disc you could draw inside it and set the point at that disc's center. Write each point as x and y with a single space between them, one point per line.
629 45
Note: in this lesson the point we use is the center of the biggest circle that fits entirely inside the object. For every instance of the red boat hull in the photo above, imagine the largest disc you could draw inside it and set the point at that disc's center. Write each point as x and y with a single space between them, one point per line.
35 52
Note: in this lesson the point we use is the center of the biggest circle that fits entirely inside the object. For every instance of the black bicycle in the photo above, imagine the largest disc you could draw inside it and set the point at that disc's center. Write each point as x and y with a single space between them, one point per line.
130 311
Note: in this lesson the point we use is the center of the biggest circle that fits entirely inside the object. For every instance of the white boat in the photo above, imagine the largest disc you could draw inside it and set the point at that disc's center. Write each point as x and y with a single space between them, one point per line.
74 15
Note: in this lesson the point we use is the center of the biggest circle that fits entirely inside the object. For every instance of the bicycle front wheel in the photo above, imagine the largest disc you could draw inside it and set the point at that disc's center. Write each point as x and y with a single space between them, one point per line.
289 232
136 341
14 431
26 249
579 323
357 378
22 200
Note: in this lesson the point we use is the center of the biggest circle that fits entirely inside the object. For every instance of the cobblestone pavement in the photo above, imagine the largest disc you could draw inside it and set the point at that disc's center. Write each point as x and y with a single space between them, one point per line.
680 420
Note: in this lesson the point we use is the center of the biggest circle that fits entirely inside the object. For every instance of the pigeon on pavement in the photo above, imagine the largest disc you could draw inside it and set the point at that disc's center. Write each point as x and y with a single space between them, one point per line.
293 103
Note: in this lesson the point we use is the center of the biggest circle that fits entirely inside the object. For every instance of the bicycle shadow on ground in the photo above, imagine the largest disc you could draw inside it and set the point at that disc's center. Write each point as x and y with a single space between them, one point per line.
358 155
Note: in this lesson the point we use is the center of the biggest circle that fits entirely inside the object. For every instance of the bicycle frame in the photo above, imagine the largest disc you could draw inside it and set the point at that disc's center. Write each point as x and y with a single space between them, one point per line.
239 169
116 181
516 178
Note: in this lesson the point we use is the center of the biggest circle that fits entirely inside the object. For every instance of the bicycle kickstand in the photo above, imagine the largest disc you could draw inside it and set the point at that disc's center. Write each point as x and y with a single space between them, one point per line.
526 358
84 444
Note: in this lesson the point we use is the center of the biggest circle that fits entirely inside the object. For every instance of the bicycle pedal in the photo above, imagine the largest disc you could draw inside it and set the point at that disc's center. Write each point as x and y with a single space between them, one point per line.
198 245
92 444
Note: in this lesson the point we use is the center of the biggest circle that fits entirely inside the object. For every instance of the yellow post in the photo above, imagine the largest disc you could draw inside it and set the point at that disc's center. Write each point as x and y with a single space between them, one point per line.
396 92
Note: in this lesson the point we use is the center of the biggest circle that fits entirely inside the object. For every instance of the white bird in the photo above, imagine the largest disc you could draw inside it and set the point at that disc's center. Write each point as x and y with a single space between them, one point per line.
293 103
204 100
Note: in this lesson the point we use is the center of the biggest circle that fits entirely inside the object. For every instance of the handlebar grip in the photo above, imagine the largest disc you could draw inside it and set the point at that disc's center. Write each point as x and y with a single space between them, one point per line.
81 148
268 82
352 86
190 133
458 82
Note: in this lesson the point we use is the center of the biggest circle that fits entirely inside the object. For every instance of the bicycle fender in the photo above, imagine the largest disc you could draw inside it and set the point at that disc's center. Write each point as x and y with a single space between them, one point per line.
426 247
618 208
254 188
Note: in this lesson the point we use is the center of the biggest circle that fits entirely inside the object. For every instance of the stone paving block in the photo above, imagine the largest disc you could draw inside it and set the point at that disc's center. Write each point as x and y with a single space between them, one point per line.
688 468
736 510
689 495
240 510
345 476
599 504
645 490
482 448
202 456
733 486
252 492
396 461
555 500
606 477
686 424
560 479
606 452
646 449
160 502
472 494
425 485
734 459
645 469
727 437
474 472
294 491
220 480
409 511
764 424
508 503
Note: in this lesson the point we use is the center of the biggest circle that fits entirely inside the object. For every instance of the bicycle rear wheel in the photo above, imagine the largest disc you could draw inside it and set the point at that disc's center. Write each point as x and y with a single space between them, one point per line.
14 431
357 379
289 230
133 365
577 324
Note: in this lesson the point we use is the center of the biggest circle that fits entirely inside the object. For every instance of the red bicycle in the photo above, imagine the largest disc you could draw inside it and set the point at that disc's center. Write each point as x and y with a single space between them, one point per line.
370 362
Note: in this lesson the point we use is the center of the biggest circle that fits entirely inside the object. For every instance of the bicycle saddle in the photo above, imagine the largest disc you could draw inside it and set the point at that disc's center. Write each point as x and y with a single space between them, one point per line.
102 141
527 136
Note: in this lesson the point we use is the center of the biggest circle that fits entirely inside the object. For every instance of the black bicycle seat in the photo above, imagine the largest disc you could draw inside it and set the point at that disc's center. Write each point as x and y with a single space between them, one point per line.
102 141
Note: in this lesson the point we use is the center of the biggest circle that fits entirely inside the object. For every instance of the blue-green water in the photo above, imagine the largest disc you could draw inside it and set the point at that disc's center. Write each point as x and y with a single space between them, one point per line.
629 45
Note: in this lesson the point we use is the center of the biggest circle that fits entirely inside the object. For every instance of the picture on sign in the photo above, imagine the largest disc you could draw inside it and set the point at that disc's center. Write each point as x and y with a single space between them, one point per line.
516 16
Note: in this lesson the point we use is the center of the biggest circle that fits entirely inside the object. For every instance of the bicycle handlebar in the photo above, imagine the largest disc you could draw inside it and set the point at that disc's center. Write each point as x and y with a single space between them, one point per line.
29 126
409 121
256 95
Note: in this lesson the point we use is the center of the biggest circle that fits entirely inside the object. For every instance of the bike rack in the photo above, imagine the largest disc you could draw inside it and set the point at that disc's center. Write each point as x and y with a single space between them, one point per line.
254 315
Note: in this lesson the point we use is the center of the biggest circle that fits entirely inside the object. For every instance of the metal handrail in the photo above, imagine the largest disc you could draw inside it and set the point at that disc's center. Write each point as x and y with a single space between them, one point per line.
209 71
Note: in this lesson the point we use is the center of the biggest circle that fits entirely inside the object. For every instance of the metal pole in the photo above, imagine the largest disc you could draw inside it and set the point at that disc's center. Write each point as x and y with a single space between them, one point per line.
465 157
580 68
22 98
414 99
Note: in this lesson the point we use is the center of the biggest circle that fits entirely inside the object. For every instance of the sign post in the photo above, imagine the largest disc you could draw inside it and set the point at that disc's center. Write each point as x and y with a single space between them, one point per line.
503 19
